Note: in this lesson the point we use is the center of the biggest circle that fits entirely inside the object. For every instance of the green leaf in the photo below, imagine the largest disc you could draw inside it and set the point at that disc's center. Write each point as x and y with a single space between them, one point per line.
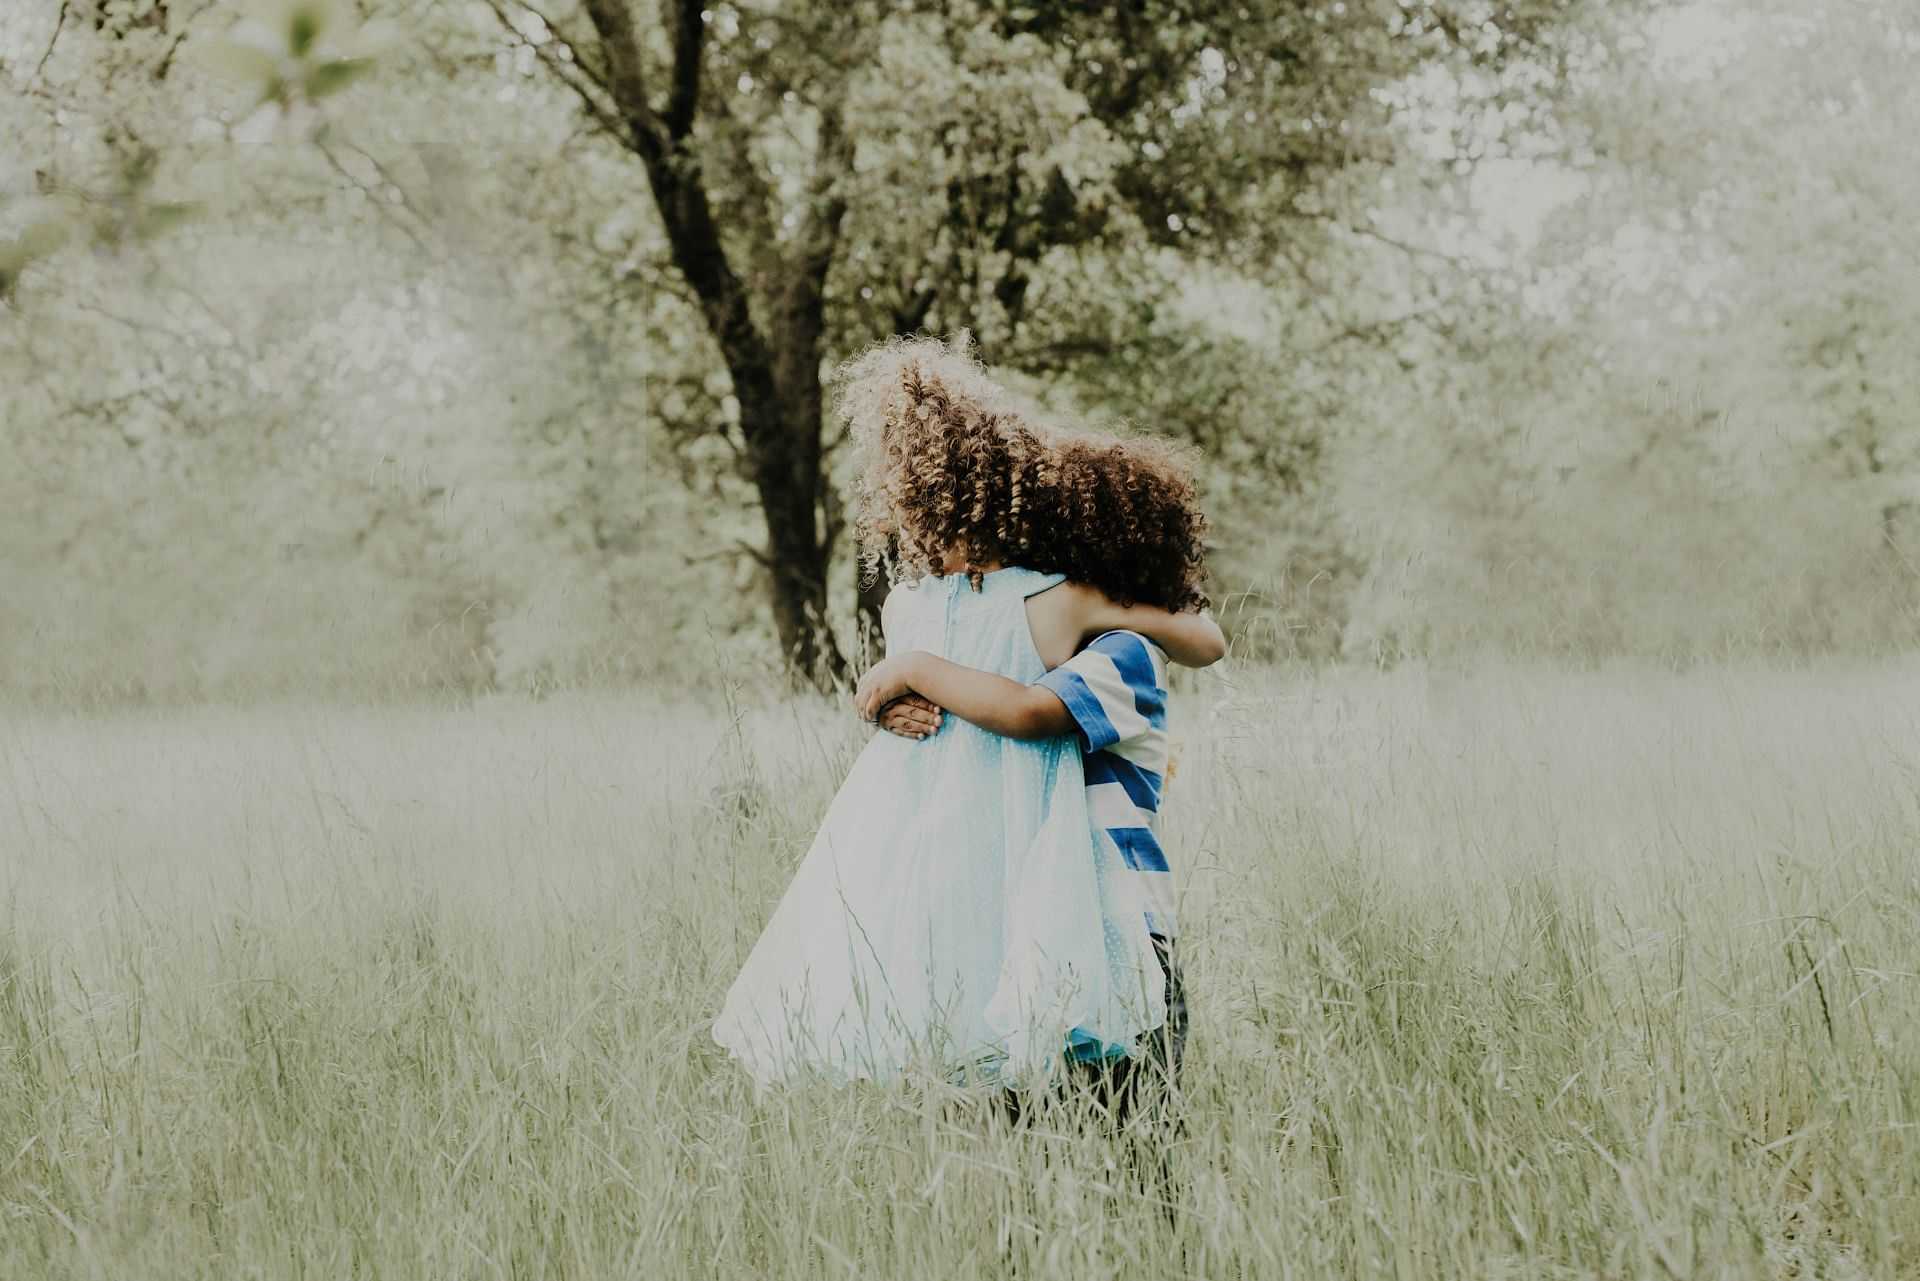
303 28
331 77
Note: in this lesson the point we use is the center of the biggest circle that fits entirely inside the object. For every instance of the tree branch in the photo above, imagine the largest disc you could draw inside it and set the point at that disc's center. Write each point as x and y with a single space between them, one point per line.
912 313
560 35
1415 251
680 196
600 115
739 547
752 209
689 31
406 200
59 24
129 322
627 79
606 118
1376 330
917 304
376 197
173 46
834 159
908 319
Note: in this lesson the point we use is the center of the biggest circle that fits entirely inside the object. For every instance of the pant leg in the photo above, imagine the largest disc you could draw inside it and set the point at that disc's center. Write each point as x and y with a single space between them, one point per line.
1148 1093
1155 1069
1116 1085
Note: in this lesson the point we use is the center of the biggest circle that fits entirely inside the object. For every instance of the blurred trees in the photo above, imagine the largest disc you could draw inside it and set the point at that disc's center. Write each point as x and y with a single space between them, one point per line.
369 349
1777 173
214 424
1696 429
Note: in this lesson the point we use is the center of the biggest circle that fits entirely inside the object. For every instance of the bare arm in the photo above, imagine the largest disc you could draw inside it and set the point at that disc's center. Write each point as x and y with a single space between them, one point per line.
1191 640
1066 617
994 703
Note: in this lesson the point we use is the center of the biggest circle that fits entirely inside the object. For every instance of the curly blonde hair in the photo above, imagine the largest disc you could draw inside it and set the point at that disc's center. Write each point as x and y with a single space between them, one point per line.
947 461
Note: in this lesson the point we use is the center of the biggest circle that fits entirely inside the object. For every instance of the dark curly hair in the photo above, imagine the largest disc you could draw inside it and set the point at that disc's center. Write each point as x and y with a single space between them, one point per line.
946 461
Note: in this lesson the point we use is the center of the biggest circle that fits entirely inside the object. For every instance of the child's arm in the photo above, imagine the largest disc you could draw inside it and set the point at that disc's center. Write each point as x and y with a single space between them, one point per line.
1191 640
1065 618
994 703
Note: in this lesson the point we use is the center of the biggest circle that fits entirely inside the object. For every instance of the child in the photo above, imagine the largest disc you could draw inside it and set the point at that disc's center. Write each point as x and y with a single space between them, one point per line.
1137 532
1113 696
953 908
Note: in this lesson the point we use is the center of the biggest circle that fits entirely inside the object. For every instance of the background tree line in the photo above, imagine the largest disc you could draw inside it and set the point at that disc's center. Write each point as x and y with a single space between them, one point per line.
477 343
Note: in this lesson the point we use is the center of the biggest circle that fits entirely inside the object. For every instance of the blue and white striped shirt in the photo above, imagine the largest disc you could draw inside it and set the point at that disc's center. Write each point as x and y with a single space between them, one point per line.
1116 691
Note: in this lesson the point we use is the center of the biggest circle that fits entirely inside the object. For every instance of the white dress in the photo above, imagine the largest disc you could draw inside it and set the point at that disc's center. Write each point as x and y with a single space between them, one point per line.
955 912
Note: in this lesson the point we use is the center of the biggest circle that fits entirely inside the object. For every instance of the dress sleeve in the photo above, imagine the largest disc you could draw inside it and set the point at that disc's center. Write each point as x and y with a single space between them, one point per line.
1112 690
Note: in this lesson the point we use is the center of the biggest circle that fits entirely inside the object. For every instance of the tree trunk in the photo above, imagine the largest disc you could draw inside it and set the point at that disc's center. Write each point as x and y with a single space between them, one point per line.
784 454
775 371
797 570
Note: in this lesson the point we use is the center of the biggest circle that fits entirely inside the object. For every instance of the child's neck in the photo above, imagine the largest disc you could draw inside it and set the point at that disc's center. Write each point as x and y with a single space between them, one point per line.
961 565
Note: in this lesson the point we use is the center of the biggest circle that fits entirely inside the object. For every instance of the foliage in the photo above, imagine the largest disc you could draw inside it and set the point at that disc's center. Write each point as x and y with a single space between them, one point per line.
1699 433
963 151
403 384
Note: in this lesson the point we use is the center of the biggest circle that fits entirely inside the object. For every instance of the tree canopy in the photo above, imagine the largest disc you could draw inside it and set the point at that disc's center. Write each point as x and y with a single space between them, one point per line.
507 325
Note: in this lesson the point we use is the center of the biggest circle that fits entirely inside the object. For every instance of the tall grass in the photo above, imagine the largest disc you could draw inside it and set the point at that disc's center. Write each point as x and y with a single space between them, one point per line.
1495 973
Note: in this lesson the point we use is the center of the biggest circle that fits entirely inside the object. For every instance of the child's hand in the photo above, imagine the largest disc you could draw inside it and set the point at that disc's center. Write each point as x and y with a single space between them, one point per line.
884 682
911 717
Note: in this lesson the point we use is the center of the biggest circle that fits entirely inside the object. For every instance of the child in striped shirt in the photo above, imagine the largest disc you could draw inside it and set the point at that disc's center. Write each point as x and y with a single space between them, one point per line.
1112 695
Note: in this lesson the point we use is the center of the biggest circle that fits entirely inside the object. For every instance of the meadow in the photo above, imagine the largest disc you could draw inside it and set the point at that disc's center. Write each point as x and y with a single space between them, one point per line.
1495 971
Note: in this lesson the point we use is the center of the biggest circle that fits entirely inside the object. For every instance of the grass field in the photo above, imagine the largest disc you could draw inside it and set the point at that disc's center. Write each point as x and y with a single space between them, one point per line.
1495 973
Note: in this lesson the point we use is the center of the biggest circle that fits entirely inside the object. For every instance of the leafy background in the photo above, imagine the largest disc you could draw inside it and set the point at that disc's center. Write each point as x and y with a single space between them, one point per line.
345 346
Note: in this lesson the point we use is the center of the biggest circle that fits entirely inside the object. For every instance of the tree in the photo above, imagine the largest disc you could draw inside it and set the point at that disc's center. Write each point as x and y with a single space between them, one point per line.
449 331
829 173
